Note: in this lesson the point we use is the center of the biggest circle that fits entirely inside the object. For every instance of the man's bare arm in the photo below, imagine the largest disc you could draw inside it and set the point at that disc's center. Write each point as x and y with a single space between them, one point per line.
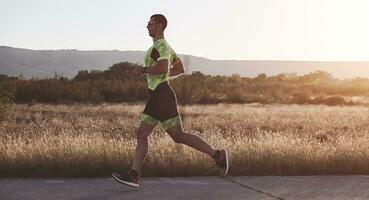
177 68
160 68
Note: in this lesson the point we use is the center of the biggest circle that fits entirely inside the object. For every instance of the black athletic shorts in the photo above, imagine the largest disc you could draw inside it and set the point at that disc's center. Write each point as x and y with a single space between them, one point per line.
162 106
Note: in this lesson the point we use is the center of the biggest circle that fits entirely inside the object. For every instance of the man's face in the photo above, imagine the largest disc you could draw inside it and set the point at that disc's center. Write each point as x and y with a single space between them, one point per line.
152 27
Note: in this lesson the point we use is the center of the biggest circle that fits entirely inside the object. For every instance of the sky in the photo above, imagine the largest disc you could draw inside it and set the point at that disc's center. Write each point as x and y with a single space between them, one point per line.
311 30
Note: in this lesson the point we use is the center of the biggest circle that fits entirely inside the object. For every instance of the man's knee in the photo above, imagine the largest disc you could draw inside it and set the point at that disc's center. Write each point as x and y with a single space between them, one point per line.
178 137
176 133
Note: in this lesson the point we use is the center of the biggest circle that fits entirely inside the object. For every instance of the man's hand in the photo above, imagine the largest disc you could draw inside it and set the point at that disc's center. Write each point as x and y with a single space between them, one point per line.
141 70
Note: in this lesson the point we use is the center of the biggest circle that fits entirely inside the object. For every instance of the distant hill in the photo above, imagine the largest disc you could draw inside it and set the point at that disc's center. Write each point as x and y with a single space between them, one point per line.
45 63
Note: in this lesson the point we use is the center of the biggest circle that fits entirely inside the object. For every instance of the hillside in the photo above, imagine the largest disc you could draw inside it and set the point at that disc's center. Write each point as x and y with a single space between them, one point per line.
45 63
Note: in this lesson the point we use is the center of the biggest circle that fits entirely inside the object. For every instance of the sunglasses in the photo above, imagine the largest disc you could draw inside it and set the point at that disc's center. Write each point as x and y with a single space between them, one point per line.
150 23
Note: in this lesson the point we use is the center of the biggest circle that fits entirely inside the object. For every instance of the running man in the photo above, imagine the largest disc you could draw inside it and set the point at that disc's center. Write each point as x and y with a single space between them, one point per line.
162 105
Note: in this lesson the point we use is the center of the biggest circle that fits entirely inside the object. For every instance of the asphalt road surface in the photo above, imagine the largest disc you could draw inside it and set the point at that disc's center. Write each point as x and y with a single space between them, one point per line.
245 187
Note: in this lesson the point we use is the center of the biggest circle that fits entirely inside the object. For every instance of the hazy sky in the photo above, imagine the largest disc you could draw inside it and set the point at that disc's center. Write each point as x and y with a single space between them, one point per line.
216 29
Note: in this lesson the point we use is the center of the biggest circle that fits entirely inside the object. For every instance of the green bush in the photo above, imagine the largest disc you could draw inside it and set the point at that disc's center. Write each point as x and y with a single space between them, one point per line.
122 82
4 104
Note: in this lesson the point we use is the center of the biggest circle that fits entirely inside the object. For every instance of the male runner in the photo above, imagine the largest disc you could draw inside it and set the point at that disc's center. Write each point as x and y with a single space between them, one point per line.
162 105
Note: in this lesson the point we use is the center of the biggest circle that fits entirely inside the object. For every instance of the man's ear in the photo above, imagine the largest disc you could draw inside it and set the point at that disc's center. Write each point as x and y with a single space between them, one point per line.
161 26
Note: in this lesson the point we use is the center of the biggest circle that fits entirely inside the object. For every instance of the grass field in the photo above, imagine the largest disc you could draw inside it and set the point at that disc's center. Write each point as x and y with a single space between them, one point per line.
94 140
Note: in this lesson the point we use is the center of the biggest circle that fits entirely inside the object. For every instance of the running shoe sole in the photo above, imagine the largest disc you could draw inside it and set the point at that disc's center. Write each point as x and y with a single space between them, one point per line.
135 185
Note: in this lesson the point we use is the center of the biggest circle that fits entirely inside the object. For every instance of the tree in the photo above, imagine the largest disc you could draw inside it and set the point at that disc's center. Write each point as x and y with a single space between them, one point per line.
262 76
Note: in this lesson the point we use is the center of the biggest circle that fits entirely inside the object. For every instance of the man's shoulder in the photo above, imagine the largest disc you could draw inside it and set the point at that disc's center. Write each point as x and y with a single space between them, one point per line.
161 44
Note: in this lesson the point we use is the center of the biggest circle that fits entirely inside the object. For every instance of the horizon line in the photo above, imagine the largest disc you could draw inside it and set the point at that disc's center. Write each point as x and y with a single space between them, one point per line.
227 60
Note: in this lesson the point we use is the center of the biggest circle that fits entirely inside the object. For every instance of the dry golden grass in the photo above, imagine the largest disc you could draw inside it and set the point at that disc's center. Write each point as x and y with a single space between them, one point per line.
88 140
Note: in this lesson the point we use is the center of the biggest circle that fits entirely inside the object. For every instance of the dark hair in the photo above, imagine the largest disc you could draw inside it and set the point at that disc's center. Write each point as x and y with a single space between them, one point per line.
159 18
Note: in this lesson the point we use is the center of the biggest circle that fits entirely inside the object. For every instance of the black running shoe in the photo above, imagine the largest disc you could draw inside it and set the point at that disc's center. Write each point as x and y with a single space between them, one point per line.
221 159
130 179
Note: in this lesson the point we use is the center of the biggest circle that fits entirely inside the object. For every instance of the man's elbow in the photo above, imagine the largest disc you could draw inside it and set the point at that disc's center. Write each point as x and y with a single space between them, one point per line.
180 67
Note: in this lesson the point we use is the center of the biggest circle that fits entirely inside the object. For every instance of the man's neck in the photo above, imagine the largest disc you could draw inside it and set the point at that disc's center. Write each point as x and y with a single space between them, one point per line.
158 37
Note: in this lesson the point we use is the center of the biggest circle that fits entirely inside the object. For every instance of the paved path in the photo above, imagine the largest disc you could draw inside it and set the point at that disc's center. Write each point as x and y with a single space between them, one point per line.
246 187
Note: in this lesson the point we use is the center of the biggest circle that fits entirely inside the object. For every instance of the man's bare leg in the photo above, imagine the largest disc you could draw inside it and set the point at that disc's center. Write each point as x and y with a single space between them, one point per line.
131 178
143 133
194 141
